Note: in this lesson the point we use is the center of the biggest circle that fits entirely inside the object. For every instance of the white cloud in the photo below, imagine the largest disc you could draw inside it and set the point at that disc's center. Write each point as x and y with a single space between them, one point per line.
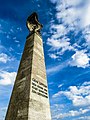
86 17
56 109
80 59
86 83
71 10
16 41
68 16
53 56
60 85
54 43
86 34
72 113
67 2
7 78
58 30
59 44
84 118
79 95
4 58
72 15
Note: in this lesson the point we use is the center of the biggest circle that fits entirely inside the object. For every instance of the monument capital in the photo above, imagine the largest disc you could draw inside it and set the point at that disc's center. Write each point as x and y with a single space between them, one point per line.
33 24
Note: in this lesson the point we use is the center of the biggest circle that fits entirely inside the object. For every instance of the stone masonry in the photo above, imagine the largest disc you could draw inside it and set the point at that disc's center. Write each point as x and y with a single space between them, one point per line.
30 99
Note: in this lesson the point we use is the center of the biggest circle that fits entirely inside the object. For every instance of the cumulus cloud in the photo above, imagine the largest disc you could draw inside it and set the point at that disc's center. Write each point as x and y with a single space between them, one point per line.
7 78
59 44
58 30
80 59
79 95
73 12
72 15
4 58
72 113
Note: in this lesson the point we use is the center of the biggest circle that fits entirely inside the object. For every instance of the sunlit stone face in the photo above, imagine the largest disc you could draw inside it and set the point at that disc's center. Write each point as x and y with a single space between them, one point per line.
30 99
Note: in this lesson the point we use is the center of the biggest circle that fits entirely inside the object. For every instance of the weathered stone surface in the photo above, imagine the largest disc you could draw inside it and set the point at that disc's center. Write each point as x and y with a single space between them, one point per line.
30 99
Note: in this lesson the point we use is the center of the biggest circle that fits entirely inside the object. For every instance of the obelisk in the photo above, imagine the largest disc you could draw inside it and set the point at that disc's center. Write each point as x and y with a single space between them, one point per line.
30 98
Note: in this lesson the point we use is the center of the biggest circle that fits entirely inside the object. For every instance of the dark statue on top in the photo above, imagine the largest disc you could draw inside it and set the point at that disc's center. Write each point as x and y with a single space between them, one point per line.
33 24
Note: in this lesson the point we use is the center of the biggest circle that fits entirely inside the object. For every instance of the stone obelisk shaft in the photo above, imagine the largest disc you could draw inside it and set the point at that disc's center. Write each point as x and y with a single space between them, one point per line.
30 99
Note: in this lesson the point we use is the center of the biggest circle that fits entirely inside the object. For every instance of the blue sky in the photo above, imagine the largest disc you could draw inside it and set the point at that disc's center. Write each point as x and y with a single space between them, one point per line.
66 39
